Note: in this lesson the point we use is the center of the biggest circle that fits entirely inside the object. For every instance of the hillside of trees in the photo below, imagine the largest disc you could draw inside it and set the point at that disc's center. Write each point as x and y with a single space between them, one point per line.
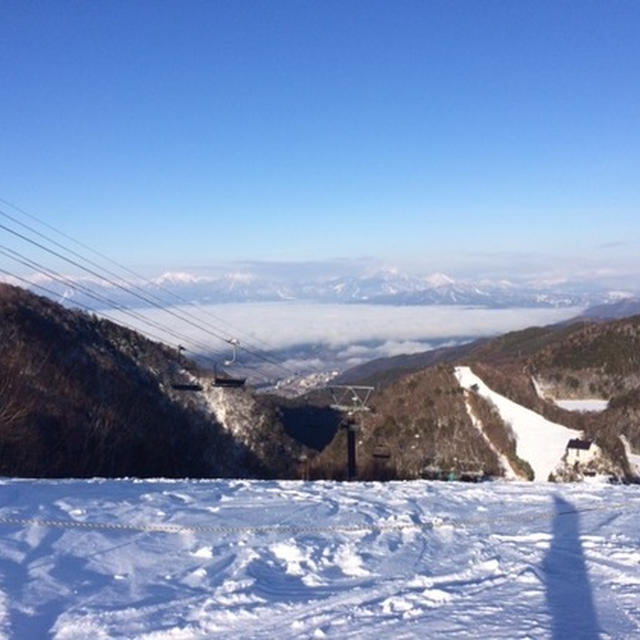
82 396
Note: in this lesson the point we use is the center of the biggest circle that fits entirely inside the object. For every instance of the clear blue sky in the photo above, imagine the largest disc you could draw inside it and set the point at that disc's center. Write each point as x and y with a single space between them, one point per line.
183 132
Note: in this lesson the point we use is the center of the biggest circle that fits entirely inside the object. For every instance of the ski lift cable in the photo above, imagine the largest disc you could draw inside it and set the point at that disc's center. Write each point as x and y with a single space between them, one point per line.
115 263
105 300
113 283
127 289
117 307
54 294
86 307
16 256
129 271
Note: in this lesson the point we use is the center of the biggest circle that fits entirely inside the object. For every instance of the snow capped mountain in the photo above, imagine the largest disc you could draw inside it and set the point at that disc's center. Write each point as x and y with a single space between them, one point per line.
383 286
436 280
177 278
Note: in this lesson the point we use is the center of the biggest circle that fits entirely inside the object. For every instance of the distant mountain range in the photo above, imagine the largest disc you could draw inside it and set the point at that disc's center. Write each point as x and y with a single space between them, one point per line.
613 310
385 287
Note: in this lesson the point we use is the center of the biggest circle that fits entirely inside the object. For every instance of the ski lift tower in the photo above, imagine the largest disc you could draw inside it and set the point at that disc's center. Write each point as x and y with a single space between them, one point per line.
351 400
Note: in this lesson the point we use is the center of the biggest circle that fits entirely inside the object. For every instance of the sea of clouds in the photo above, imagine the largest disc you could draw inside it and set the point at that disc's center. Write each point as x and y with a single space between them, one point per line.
316 336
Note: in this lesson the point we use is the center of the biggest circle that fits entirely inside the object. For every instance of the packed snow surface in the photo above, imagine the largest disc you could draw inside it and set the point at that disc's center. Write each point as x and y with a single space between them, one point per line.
539 441
632 458
586 404
245 559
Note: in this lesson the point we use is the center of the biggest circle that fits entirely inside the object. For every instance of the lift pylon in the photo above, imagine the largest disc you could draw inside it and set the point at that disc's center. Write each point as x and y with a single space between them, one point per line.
351 400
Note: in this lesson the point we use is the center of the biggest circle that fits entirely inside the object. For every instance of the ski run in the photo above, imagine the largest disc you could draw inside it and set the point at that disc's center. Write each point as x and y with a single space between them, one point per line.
540 442
570 404
178 560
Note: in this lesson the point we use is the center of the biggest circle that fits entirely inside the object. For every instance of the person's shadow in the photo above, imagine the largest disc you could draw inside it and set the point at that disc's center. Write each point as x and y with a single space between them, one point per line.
568 591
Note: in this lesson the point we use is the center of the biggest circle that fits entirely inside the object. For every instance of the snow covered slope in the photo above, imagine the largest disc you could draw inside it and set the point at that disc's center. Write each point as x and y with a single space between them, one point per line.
540 442
583 404
238 559
509 473
632 458
586 404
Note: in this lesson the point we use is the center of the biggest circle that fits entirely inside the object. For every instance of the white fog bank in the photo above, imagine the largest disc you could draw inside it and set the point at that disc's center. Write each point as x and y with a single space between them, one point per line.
286 324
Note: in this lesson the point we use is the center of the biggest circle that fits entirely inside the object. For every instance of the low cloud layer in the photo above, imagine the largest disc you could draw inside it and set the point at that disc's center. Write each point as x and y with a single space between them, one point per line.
351 334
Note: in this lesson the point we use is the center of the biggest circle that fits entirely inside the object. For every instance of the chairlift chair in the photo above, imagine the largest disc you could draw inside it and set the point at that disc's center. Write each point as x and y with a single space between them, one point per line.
229 381
185 386
234 342
219 381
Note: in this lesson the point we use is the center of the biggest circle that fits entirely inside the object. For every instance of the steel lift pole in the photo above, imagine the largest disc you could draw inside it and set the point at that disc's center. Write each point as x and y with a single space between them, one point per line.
351 400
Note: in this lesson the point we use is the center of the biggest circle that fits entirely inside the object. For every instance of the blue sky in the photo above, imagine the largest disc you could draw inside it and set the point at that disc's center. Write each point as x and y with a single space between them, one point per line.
444 134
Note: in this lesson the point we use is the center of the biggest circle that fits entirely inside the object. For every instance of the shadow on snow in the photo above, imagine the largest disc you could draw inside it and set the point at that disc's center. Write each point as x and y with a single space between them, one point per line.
568 590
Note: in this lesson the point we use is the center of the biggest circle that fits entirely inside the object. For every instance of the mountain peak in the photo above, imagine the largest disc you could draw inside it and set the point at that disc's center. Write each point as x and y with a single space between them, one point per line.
178 277
439 280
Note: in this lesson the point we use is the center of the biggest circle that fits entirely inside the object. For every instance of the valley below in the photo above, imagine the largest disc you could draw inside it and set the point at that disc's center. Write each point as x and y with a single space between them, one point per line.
107 401
308 337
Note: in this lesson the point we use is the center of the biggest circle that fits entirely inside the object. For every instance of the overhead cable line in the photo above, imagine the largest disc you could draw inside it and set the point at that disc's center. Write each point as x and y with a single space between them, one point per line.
116 320
204 351
112 282
86 307
254 351
122 287
115 263
17 257
96 265
143 296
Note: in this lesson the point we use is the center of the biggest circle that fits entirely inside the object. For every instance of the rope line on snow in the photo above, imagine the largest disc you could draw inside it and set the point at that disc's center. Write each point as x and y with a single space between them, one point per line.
178 528
297 529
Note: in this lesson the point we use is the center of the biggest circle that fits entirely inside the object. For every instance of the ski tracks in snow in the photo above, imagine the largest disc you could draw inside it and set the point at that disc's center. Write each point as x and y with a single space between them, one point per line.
477 573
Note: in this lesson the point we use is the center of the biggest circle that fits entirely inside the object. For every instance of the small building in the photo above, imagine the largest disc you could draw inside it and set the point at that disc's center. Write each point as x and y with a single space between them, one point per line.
581 452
